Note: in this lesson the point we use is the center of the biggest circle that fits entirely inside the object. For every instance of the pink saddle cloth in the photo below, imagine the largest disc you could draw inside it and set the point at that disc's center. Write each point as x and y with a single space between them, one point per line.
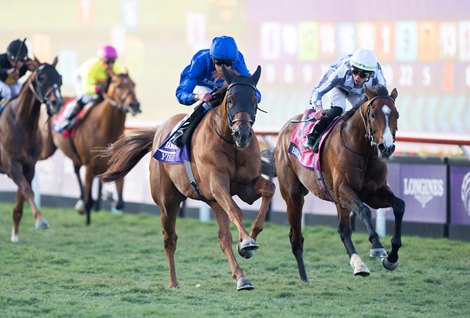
306 156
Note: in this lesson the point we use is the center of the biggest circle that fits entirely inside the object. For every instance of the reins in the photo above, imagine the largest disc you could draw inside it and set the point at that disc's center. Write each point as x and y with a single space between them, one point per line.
367 127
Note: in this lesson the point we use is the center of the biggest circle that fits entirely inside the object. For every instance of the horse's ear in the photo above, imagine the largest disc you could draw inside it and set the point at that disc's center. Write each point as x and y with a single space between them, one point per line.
227 74
368 92
55 61
394 94
256 75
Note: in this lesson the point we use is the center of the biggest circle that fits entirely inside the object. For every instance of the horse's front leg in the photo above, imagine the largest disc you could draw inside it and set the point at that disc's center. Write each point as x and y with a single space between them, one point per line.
80 204
17 216
225 241
221 193
386 198
345 231
349 201
249 193
89 176
25 192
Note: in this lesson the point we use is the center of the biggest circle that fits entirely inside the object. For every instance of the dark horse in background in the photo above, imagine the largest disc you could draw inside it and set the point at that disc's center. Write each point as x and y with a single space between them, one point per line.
354 174
101 126
20 139
225 161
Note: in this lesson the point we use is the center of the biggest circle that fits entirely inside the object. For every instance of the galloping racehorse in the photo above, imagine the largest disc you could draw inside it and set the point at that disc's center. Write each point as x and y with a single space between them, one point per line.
225 161
102 126
20 140
353 173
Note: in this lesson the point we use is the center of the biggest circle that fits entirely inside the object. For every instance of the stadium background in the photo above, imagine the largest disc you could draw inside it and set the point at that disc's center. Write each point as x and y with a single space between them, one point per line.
423 46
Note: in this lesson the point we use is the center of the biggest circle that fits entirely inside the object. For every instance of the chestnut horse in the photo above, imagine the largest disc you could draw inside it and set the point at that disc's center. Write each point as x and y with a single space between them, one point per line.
20 139
101 126
225 161
353 173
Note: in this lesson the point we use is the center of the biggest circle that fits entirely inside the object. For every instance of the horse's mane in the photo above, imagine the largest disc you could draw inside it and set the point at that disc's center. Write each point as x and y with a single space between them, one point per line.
376 90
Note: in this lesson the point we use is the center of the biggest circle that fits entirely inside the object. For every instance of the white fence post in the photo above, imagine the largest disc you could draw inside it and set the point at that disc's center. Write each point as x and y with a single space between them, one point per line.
204 212
380 222
36 190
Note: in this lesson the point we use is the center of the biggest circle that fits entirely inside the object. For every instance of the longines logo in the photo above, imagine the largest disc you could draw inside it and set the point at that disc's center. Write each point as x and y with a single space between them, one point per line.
465 192
423 190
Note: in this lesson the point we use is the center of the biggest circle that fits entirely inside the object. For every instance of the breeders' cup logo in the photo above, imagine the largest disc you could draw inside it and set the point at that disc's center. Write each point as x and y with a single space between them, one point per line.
465 192
423 190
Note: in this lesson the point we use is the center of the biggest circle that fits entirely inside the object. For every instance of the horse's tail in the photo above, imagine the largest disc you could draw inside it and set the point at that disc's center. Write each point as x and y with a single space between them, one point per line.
125 153
268 165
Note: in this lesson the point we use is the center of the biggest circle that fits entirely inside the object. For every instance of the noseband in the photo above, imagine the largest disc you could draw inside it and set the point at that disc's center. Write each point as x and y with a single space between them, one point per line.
369 133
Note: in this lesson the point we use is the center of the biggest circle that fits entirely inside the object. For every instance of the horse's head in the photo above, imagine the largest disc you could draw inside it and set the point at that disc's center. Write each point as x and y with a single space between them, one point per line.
380 118
45 82
121 93
241 105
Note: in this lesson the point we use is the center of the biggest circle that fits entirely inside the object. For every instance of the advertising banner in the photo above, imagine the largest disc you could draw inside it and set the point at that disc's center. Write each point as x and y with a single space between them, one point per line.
424 189
460 195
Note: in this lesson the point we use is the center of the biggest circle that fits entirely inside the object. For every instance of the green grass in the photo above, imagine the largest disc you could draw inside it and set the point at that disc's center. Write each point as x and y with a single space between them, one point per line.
117 268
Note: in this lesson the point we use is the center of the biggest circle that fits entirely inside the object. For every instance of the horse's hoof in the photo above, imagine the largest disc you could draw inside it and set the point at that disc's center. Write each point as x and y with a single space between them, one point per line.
363 272
389 265
14 238
244 253
248 244
378 252
42 224
244 284
116 211
359 267
80 206
246 248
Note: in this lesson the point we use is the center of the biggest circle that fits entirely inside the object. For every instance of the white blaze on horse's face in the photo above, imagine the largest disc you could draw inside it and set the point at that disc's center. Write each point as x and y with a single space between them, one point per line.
387 136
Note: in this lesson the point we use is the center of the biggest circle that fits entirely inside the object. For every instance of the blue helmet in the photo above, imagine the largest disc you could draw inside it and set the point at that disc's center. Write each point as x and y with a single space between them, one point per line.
224 48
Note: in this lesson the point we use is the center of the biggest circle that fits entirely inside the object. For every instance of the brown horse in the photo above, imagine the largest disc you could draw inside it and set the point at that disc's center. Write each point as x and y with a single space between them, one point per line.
354 175
225 161
101 127
20 140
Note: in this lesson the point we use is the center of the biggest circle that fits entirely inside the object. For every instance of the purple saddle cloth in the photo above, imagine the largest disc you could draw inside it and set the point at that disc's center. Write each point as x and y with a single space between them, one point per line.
168 152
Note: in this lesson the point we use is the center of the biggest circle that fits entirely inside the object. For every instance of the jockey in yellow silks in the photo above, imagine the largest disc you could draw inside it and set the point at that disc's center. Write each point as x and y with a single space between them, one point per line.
91 80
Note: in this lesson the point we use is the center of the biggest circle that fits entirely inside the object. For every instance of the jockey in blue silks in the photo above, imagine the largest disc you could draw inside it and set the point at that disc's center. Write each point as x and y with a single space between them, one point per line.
197 80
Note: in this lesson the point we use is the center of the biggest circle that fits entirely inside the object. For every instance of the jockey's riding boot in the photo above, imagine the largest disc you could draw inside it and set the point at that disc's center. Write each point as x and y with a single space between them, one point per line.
312 140
184 133
177 137
70 120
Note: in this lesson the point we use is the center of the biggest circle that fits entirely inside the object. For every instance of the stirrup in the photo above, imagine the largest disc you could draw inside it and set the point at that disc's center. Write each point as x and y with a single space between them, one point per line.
177 138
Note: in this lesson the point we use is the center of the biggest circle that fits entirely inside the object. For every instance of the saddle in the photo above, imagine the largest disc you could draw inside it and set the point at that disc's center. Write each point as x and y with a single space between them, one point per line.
78 118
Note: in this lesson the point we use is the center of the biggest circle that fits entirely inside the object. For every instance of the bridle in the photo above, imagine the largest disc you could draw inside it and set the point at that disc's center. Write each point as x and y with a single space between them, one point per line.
238 109
120 103
369 133
55 81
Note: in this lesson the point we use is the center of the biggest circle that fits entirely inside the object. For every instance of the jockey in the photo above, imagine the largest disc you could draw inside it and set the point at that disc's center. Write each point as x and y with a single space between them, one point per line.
344 80
13 65
197 80
91 81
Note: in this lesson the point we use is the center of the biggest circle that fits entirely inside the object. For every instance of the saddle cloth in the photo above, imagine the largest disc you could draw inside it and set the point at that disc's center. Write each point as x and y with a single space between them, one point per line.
61 117
307 157
169 152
